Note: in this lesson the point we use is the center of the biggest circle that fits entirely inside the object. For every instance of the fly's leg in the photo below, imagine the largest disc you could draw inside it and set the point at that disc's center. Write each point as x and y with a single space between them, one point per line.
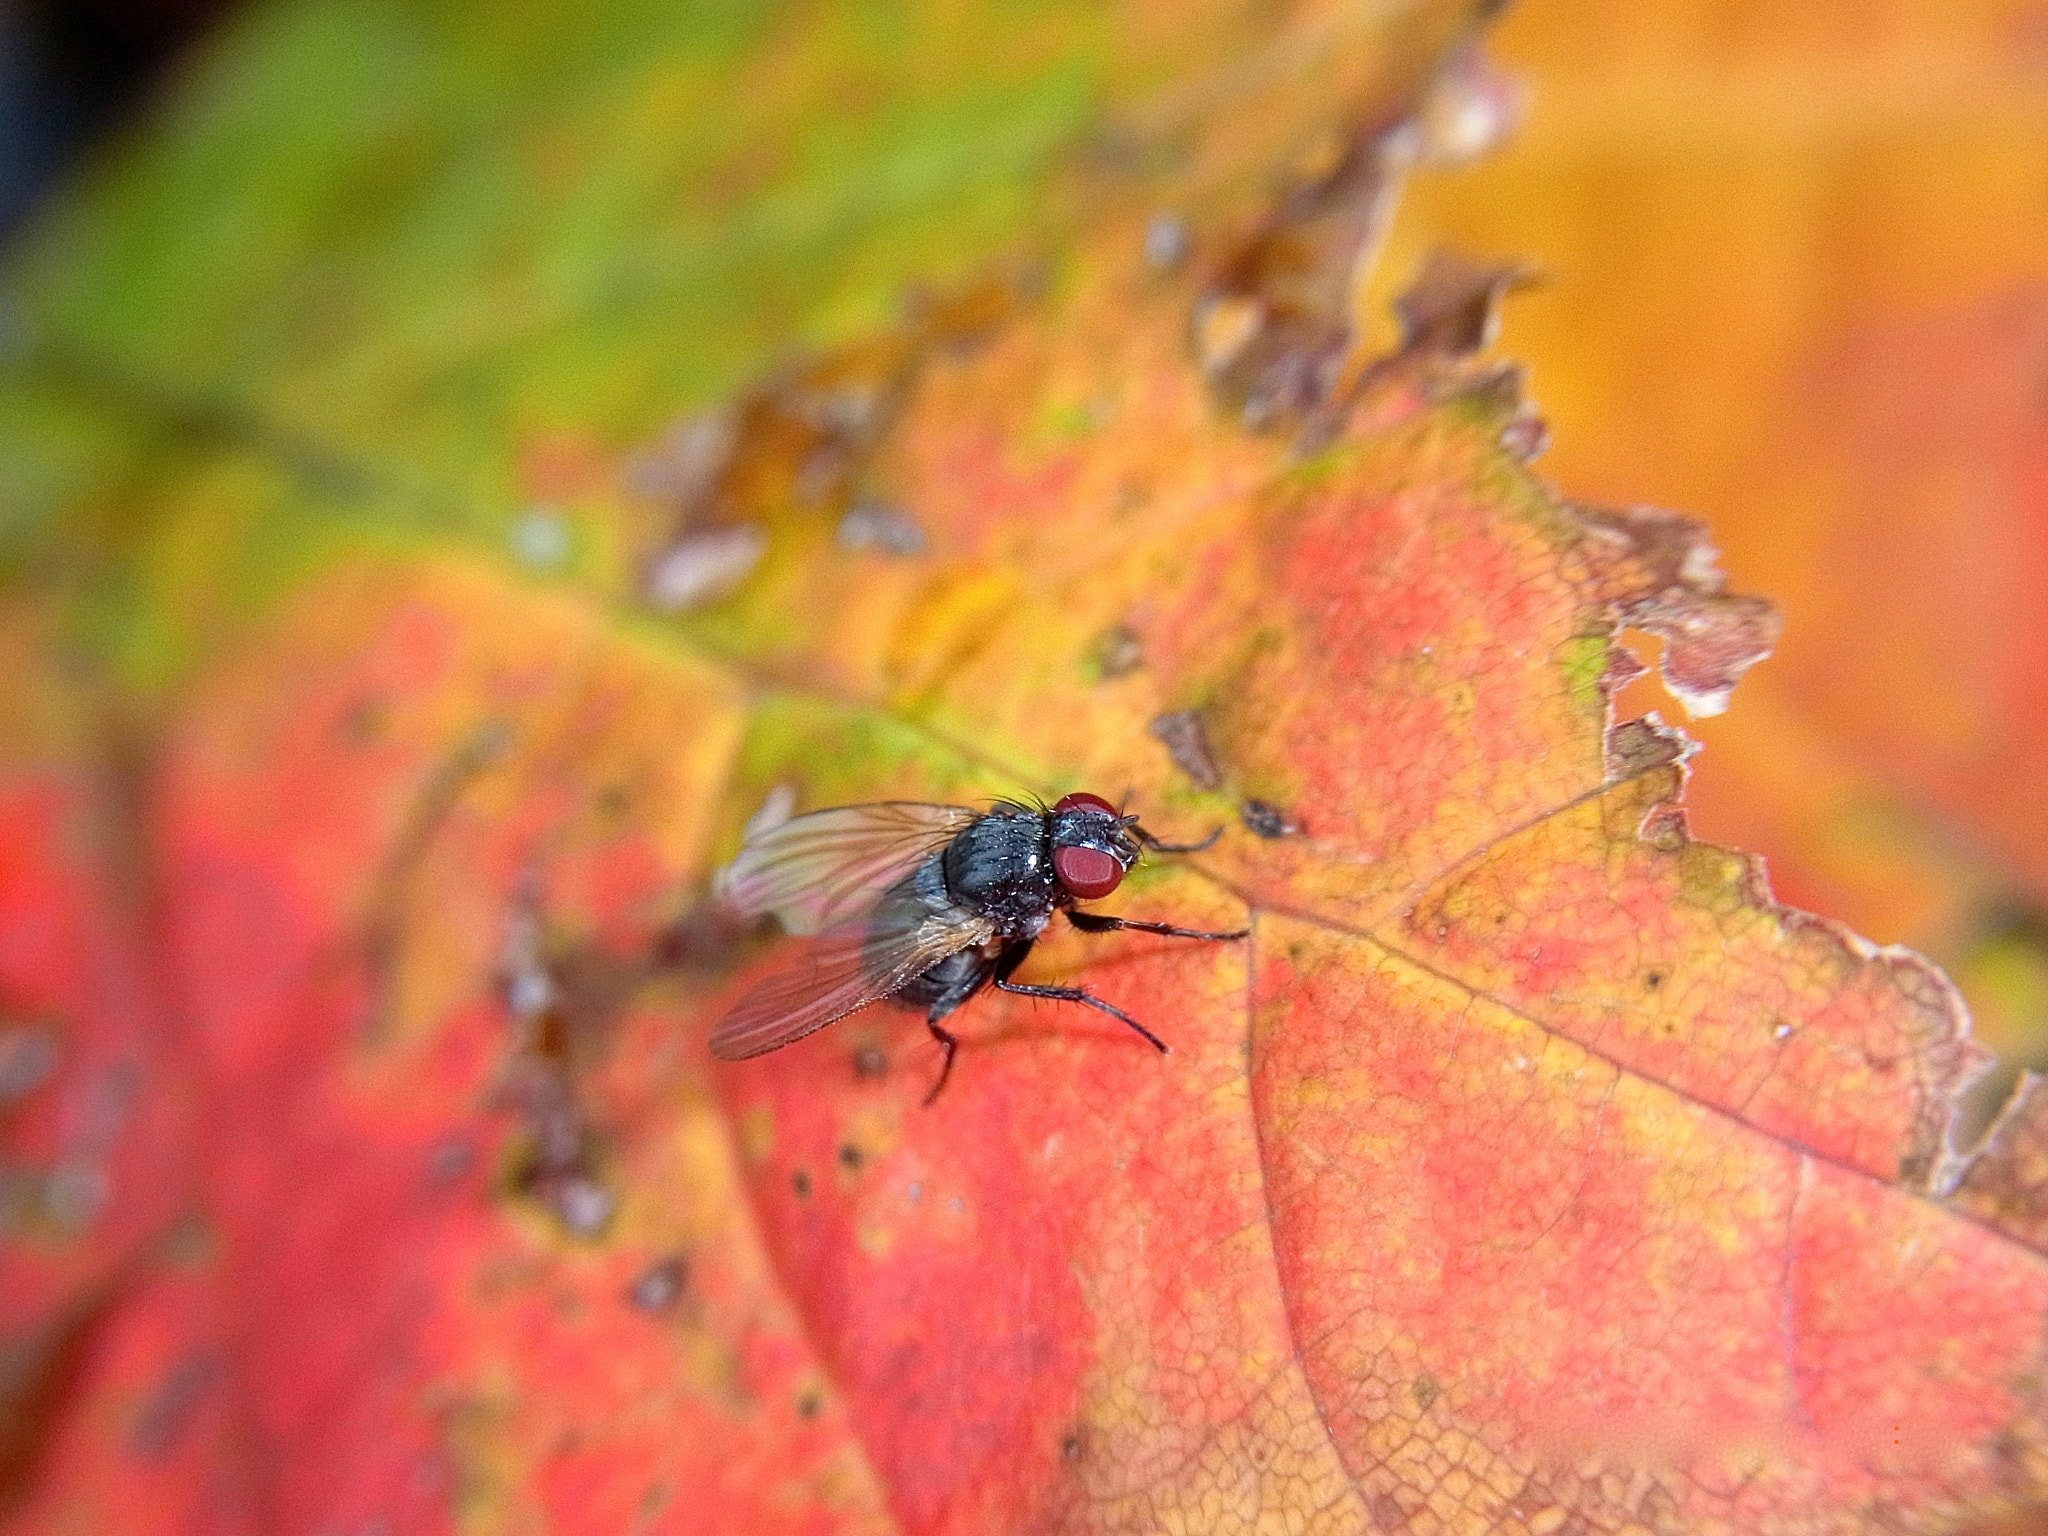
967 975
1080 995
948 1040
1159 845
1096 922
1013 956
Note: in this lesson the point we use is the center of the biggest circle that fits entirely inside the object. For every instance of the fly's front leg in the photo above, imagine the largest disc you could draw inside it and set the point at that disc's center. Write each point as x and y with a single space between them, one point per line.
1158 845
1096 922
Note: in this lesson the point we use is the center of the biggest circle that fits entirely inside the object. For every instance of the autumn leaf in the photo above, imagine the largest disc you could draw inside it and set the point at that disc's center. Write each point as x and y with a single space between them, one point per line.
403 663
1852 398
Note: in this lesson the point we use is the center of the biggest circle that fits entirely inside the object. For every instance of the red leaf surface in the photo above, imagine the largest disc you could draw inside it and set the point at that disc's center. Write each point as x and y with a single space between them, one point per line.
1528 1169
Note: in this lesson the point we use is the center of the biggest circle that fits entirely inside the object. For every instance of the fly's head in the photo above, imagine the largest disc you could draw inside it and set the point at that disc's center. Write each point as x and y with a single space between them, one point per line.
1093 847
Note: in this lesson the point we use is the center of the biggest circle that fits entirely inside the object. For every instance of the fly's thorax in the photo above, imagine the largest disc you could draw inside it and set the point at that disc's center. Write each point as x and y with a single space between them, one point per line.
1000 868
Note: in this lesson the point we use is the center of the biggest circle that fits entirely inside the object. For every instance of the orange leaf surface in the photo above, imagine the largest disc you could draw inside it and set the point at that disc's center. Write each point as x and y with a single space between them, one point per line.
1851 396
1527 1169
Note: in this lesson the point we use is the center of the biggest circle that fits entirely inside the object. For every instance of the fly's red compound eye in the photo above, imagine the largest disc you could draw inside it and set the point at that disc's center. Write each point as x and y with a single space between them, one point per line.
1087 872
1082 800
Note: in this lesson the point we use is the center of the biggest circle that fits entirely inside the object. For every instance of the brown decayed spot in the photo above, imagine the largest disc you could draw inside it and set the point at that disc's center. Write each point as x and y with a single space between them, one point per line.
1188 743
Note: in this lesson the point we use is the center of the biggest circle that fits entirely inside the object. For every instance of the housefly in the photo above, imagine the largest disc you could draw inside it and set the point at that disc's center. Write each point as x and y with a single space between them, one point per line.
923 906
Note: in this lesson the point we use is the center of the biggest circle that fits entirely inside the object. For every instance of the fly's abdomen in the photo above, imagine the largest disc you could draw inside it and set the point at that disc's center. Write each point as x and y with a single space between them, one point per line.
918 899
948 984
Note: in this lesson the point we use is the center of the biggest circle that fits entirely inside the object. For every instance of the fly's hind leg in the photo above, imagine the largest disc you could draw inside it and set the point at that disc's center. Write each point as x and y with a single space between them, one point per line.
1084 996
950 983
949 1041
1013 956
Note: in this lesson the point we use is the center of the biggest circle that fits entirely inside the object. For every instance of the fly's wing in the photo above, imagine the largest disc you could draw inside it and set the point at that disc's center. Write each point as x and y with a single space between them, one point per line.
814 872
836 972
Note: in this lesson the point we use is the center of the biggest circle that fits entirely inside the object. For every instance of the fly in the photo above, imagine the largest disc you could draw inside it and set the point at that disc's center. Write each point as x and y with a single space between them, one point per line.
923 906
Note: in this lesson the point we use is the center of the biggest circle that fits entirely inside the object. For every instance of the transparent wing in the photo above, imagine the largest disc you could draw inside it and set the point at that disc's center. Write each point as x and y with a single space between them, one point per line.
834 973
816 871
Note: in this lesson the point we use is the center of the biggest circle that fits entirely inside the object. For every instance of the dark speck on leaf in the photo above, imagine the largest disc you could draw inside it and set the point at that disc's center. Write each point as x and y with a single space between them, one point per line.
1166 242
1654 980
169 1409
705 566
1117 652
809 1405
661 1287
882 528
450 1158
691 456
1070 1448
555 1163
800 1181
1526 437
1188 743
1263 819
583 1206
657 1498
74 1193
540 538
869 1061
363 722
28 1055
708 937
851 1157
